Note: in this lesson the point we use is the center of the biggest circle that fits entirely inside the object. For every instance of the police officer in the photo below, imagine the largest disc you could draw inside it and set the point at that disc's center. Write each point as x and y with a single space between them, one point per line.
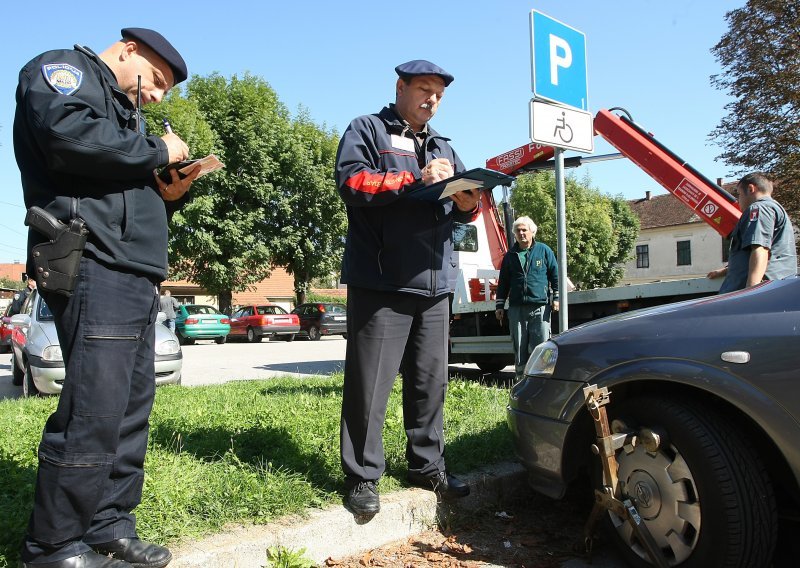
395 264
762 243
82 152
19 298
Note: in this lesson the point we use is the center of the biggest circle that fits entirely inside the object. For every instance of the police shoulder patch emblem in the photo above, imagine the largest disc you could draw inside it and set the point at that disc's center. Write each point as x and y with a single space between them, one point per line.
62 77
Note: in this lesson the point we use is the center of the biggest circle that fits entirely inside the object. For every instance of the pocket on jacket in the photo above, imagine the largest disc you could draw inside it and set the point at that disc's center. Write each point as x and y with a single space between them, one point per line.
128 214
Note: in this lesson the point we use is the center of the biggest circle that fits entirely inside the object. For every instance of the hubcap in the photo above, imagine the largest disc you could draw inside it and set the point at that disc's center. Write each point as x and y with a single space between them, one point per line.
665 494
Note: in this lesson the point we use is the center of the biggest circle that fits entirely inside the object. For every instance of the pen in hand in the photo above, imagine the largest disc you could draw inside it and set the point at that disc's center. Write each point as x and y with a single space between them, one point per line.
167 126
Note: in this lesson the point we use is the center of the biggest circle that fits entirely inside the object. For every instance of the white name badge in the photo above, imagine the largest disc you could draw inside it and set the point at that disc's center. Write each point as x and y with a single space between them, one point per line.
403 143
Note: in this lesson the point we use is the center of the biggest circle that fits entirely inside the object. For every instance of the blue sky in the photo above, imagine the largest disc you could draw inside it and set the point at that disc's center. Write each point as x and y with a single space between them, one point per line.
337 59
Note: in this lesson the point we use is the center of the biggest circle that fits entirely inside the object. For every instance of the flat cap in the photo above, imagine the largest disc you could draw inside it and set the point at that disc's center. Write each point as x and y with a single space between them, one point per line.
162 47
422 67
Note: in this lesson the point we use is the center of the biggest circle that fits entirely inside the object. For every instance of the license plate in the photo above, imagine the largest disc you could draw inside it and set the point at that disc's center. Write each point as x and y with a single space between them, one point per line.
340 318
208 321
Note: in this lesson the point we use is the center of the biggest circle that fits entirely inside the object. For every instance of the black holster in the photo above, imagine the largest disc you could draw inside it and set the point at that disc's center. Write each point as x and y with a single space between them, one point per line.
57 262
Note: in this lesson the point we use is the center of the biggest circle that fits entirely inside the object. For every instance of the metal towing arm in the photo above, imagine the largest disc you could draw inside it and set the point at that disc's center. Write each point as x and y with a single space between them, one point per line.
712 203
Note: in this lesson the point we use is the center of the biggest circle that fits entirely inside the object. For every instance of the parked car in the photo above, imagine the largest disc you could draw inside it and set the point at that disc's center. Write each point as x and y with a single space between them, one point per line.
318 319
36 361
717 380
195 321
266 320
5 330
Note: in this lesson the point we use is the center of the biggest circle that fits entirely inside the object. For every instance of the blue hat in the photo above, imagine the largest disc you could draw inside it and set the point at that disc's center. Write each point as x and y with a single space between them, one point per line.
161 47
422 67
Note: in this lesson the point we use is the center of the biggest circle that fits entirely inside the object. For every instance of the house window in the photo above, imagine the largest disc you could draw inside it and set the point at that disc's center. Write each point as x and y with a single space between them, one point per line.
684 253
726 249
642 256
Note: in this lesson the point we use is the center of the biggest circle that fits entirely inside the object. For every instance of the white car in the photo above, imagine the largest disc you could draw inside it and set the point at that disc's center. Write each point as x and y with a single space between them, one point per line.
37 364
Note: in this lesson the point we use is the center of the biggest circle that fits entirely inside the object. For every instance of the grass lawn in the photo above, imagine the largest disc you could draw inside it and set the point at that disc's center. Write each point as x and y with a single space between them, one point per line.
245 452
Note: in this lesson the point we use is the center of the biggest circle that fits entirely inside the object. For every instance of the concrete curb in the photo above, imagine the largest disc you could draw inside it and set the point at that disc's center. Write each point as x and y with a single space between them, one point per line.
335 532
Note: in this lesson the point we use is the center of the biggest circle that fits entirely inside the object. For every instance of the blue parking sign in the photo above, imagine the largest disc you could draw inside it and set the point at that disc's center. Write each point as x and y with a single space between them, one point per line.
558 59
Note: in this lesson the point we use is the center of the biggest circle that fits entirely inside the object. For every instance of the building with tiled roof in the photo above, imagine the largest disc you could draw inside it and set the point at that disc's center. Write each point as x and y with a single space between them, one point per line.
673 242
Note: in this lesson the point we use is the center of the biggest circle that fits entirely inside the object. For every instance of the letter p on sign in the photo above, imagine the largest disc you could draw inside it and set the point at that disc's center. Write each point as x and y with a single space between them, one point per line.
560 56
558 62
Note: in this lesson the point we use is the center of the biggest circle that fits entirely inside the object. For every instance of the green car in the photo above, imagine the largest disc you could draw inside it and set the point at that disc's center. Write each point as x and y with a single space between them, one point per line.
194 321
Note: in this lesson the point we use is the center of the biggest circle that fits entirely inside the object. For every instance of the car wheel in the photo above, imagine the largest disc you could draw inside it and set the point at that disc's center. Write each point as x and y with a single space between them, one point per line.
220 340
28 387
252 336
313 333
17 374
704 494
490 363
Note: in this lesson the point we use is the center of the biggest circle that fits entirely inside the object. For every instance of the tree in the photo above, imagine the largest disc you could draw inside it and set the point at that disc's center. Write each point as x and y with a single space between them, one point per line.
6 282
761 71
601 230
275 202
314 220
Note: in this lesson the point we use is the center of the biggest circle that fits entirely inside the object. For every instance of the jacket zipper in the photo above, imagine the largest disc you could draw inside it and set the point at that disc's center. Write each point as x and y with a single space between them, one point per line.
115 337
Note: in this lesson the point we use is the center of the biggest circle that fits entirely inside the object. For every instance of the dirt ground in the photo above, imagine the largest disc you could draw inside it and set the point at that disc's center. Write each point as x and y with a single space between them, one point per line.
534 533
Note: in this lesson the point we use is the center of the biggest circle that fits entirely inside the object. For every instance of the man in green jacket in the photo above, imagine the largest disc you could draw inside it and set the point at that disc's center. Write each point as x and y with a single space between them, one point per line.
528 274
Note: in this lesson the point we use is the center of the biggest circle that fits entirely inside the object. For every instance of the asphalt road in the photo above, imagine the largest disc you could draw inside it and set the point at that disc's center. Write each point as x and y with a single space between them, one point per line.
205 362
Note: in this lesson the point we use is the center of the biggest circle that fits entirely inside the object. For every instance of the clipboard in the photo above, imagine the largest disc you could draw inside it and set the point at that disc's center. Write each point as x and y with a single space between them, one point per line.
207 165
476 178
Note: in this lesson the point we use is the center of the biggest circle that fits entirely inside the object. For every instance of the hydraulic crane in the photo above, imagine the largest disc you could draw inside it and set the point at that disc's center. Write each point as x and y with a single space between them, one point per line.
709 201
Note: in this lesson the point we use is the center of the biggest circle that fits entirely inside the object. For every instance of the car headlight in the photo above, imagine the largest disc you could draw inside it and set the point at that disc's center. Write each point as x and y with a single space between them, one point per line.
542 361
168 347
52 353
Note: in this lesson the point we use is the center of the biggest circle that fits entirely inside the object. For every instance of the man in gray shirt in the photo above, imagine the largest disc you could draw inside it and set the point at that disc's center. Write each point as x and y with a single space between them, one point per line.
762 244
168 305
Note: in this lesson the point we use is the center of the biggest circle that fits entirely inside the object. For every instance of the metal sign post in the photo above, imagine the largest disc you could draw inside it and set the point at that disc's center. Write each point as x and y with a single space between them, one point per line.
561 231
559 76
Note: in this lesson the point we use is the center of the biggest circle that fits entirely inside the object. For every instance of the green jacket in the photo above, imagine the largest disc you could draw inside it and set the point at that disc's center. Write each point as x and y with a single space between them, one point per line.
528 284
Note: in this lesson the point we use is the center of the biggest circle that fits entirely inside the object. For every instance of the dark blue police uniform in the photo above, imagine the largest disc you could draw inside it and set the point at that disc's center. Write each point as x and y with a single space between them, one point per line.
80 155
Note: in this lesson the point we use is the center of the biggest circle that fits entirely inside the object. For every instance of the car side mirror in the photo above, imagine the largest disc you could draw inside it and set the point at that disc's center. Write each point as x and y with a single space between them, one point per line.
21 320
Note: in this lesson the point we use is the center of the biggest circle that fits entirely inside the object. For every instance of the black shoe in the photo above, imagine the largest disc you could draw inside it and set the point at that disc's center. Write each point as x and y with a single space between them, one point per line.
85 560
441 483
137 553
362 498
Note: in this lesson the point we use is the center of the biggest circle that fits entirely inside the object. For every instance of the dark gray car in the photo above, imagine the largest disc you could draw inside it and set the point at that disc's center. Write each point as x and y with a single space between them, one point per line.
718 379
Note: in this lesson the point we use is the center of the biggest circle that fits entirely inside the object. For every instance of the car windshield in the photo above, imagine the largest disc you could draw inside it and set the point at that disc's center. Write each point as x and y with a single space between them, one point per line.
270 310
201 310
336 309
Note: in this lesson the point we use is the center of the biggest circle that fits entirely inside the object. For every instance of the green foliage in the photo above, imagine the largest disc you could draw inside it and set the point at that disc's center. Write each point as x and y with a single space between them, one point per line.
274 204
280 557
246 452
324 299
9 283
314 224
601 230
758 56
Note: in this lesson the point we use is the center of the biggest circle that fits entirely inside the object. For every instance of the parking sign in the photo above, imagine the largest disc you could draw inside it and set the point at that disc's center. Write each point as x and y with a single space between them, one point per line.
558 61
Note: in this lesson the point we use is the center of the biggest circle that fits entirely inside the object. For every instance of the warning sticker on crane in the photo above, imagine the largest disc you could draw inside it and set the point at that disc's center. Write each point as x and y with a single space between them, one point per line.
689 193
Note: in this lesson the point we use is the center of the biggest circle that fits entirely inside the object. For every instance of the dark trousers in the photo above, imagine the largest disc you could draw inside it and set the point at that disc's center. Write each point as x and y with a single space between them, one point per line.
385 329
91 456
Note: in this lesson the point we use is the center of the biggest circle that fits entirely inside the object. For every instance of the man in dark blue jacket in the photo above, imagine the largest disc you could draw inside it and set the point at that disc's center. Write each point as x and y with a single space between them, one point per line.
527 275
396 264
83 153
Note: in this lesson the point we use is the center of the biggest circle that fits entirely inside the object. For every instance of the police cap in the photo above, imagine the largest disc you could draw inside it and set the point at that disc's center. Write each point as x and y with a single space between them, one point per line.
422 67
161 47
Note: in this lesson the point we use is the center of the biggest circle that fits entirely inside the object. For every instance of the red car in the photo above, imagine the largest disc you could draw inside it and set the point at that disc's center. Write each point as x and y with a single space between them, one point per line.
5 331
255 322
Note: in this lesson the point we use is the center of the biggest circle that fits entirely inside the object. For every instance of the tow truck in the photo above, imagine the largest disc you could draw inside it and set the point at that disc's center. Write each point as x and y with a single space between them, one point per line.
476 336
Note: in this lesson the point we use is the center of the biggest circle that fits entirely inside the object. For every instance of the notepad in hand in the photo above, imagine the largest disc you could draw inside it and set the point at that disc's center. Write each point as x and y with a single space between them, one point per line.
207 165
476 178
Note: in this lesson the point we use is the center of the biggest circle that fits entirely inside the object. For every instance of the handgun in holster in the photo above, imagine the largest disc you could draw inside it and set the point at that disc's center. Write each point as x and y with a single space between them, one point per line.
57 262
